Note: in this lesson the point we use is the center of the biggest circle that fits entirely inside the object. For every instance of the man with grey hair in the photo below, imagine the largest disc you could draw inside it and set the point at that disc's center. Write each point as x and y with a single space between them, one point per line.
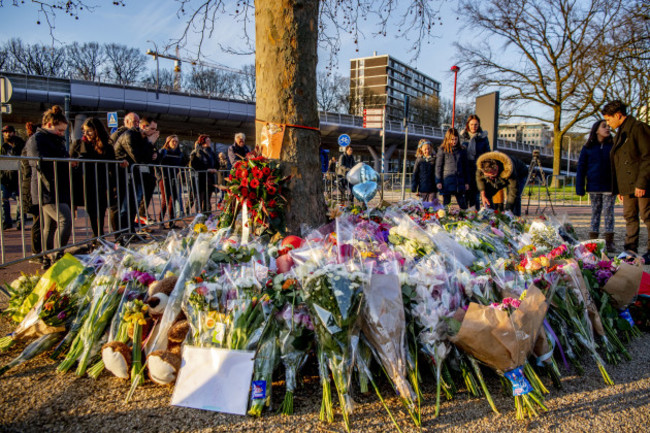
238 150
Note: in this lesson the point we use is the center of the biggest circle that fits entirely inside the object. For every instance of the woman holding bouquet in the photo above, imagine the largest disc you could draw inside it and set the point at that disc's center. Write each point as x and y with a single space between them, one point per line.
594 166
424 173
204 160
452 169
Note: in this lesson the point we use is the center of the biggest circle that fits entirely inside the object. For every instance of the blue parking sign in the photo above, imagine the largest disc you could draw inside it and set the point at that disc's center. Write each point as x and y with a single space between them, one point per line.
344 140
112 119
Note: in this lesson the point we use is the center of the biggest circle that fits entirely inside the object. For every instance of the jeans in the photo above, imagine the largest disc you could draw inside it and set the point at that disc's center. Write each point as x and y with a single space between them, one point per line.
57 226
516 207
602 203
6 207
460 198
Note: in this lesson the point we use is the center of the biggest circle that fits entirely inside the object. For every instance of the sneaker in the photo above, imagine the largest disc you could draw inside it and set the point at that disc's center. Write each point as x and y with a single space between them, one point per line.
46 264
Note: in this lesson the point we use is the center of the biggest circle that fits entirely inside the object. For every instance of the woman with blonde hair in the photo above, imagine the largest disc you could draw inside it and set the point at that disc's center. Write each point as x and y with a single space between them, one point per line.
423 182
452 170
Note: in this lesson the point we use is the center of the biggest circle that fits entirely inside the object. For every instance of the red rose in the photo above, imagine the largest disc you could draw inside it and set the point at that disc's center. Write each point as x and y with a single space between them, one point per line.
252 195
257 173
273 214
244 173
244 192
254 183
271 190
266 171
271 203
244 182
238 164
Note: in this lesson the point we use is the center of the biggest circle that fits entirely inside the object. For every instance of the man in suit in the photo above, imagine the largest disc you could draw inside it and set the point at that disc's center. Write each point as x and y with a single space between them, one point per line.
630 159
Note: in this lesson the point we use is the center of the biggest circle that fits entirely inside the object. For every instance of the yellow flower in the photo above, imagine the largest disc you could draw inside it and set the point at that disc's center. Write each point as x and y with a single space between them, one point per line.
441 213
523 295
200 228
142 322
544 261
367 254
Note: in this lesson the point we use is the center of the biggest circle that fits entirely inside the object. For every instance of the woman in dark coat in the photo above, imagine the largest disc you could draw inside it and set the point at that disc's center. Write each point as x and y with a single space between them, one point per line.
204 161
451 169
54 186
476 141
594 166
424 173
95 190
169 178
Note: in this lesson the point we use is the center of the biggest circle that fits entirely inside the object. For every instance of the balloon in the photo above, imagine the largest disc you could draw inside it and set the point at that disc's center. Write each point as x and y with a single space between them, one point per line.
368 174
365 191
354 175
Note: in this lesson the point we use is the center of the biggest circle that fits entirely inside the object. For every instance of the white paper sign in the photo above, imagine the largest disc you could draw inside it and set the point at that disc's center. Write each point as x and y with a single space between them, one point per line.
214 379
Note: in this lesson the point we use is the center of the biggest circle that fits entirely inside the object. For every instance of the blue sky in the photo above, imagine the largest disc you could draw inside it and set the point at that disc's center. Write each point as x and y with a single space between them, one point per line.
143 20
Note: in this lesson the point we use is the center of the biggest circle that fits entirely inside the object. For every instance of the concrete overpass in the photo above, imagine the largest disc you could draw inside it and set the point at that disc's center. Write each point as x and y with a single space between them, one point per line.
189 115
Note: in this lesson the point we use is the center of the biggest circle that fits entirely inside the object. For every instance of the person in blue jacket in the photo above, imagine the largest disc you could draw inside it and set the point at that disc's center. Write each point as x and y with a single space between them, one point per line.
452 169
423 182
594 166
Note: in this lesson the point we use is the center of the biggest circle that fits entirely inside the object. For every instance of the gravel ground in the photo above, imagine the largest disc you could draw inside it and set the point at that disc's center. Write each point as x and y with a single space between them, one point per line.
34 398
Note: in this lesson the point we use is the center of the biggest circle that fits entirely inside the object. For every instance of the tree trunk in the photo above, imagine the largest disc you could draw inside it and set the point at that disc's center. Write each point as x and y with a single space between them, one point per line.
286 36
557 147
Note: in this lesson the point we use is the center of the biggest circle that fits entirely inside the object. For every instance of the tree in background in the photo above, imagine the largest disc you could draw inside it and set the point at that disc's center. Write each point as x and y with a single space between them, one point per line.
124 64
333 92
85 60
555 53
246 87
35 59
212 82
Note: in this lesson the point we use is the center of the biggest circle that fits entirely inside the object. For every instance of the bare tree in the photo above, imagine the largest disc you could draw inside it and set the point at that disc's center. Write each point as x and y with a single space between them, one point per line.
164 80
549 52
246 87
124 64
333 91
85 60
632 76
212 82
36 59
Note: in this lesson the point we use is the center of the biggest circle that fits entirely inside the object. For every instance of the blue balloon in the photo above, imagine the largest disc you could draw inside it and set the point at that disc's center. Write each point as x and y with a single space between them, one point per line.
365 191
368 174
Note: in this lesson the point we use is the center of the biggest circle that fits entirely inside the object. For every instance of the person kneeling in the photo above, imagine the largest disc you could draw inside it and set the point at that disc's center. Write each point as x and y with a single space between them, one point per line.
495 171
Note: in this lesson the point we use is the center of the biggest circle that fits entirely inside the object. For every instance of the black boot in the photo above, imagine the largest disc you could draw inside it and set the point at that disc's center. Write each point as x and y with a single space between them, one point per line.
609 242
593 235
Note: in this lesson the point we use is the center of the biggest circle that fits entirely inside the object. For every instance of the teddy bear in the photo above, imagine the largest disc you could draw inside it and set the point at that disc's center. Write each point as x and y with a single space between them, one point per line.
163 365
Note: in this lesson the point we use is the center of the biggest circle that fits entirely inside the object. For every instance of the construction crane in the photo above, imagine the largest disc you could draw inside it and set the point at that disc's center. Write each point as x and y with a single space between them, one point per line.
177 66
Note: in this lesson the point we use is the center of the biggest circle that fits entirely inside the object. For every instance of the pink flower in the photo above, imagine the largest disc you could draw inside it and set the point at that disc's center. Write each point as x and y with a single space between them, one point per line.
201 290
515 303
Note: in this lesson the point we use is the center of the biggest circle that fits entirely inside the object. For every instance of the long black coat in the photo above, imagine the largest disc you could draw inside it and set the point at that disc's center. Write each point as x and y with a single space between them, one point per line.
476 146
452 170
630 157
424 175
92 181
44 144
594 164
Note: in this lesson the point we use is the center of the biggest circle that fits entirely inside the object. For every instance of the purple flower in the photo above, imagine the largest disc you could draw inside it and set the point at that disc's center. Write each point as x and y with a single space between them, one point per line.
61 315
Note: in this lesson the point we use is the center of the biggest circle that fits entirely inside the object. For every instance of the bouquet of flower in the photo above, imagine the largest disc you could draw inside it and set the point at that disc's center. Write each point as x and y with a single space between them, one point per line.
258 184
383 324
266 359
17 291
334 295
204 312
295 337
502 336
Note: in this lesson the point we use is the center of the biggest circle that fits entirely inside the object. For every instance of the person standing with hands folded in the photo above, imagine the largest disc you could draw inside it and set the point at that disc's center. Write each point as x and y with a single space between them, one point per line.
630 161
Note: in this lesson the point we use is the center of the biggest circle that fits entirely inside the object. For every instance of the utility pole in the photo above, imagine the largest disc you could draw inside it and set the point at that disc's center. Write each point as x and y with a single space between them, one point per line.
177 66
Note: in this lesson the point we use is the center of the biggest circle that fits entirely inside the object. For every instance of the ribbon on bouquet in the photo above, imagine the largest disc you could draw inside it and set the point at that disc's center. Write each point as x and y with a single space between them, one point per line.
245 229
556 342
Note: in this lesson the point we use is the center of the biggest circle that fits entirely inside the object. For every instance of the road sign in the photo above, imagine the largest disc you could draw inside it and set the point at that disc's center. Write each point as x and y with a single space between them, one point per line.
6 89
344 140
112 119
373 117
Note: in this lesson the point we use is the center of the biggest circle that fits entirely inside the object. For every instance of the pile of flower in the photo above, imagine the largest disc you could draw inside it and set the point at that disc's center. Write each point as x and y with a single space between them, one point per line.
374 295
257 185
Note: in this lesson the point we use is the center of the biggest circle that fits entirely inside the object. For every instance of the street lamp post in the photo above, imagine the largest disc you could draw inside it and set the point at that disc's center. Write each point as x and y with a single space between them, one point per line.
155 56
455 70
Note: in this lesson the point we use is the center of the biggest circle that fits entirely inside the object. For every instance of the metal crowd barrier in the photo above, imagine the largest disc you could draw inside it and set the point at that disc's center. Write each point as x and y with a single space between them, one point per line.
107 190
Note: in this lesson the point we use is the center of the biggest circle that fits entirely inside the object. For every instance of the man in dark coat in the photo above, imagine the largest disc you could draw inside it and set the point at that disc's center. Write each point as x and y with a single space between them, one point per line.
238 150
13 146
630 159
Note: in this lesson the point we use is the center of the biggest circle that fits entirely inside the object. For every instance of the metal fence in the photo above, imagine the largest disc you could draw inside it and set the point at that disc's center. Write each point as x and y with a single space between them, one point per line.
119 203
